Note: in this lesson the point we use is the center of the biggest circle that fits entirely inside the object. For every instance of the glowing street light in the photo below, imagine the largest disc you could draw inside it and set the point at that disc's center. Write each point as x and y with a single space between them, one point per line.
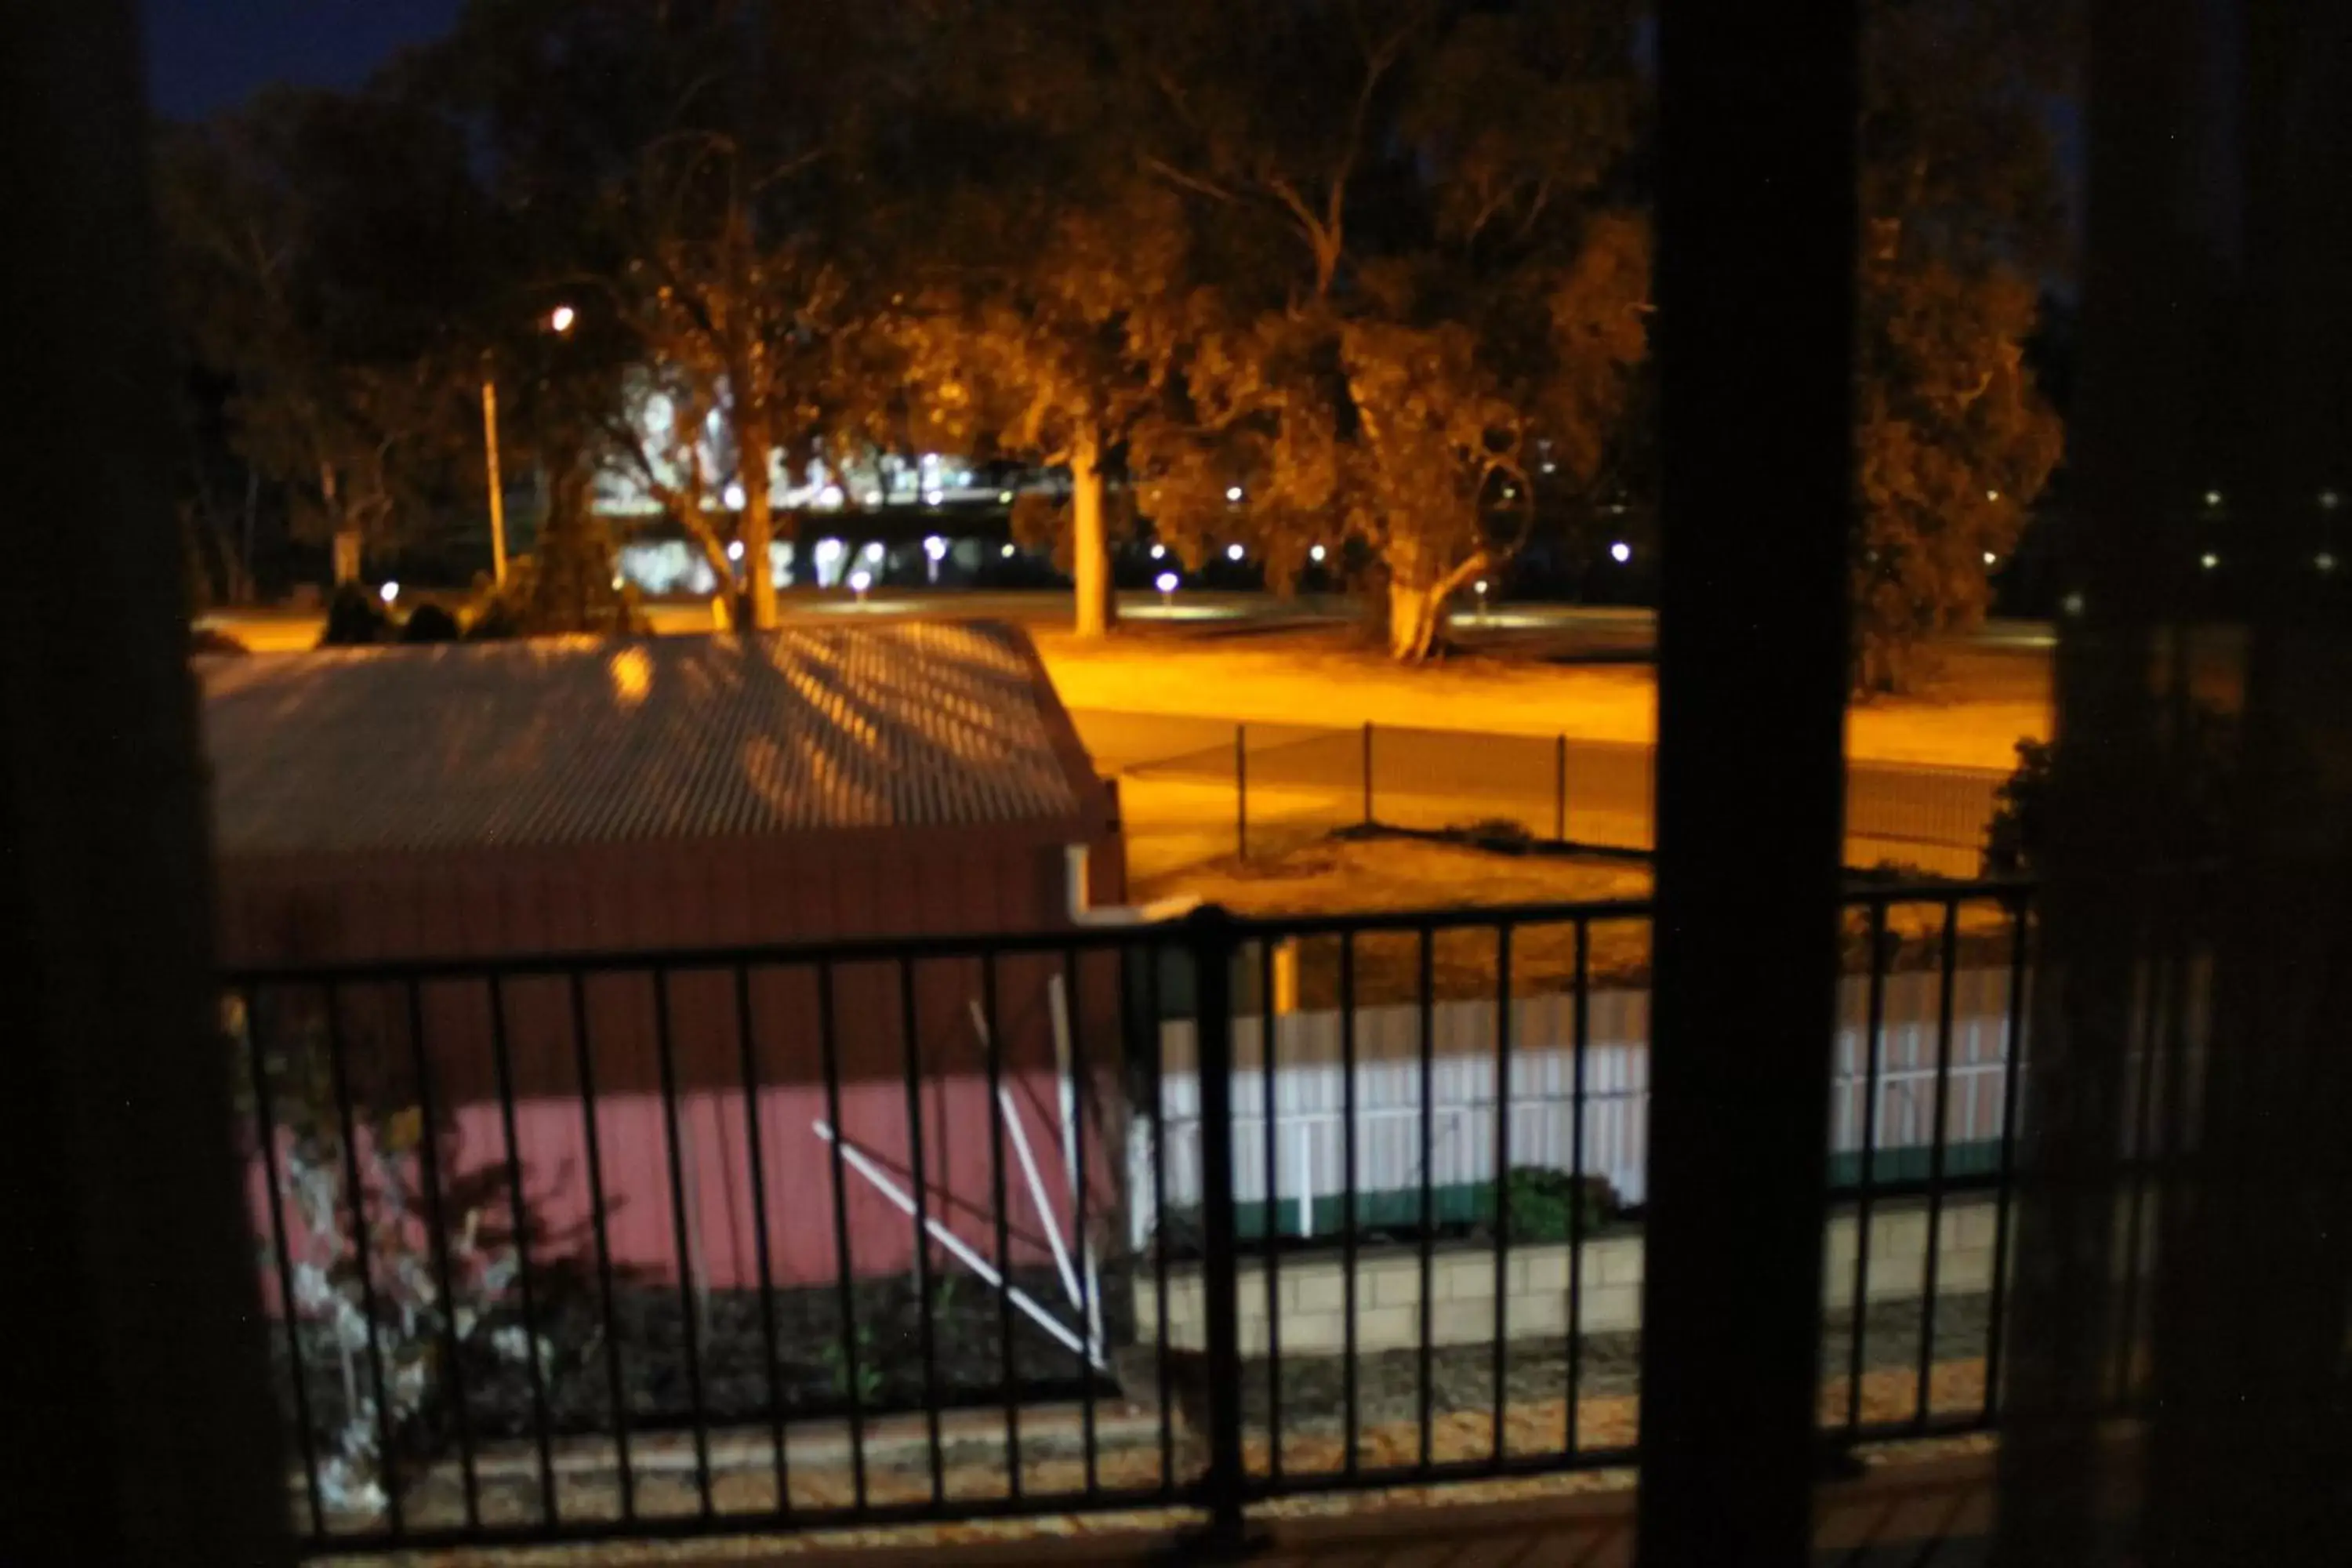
390 591
1160 552
873 498
1480 588
2329 501
1993 495
735 550
873 550
1166 583
1989 557
1004 498
2324 561
2209 560
1233 492
1009 552
2072 604
560 319
1234 553
1316 554
933 497
733 497
1621 552
859 582
935 550
2212 498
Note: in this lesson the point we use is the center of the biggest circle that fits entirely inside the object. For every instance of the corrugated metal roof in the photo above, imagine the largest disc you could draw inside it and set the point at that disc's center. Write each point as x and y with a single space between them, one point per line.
576 740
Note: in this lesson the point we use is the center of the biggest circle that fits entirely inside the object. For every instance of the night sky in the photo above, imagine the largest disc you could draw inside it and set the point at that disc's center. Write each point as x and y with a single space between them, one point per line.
207 55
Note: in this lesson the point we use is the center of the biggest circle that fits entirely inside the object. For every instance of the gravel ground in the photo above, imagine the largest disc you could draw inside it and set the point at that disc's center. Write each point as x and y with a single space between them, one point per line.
1461 1428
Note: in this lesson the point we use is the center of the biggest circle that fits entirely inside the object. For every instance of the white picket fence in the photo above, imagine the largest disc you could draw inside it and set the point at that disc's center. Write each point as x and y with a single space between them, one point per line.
1310 1093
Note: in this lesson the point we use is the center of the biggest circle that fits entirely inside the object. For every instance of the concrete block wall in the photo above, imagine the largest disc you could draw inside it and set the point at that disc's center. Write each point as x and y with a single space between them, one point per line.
1310 1293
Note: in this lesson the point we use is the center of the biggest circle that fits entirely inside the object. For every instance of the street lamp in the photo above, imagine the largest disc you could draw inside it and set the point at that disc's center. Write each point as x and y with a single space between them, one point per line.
859 582
1621 552
560 321
1316 554
1234 553
935 550
1166 583
390 591
1480 588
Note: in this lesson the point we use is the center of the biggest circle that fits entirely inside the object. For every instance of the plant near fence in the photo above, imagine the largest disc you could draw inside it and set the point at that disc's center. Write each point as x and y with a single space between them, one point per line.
393 1312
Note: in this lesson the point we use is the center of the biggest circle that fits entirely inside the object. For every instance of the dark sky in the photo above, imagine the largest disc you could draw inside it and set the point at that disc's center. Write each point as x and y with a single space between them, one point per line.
207 55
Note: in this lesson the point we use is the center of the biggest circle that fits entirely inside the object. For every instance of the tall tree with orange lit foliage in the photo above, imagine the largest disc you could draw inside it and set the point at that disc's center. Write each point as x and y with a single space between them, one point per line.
1959 214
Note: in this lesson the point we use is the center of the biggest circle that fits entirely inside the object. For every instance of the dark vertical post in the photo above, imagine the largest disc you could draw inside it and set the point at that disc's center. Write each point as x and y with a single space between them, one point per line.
1940 1103
910 1035
1347 1217
1368 772
1241 792
1211 944
437 1230
1427 994
1270 1213
1874 1027
2012 1073
690 1339
616 1380
1755 256
1502 1183
845 1288
1560 790
755 1144
144 1424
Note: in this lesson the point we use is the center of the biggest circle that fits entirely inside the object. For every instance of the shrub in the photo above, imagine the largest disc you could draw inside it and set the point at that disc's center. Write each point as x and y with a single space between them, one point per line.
429 623
1544 1203
355 618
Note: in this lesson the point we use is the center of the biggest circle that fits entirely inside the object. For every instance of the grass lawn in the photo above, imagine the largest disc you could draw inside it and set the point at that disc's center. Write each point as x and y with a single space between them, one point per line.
1971 716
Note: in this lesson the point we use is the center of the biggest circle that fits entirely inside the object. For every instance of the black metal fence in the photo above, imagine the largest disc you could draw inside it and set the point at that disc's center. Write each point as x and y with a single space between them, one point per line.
653 1245
1292 782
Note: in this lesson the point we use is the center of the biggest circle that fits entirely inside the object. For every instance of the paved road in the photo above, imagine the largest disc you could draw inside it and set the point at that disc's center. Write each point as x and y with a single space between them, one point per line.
1933 818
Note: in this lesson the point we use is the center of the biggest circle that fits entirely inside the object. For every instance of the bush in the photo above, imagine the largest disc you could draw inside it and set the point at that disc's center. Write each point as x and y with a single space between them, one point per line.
2021 808
430 623
355 618
1544 1203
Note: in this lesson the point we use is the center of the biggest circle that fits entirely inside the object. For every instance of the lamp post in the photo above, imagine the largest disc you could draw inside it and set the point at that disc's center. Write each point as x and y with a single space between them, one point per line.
559 322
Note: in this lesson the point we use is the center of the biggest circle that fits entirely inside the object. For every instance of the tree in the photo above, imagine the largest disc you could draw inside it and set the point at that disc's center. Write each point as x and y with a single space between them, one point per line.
318 247
1460 285
1959 206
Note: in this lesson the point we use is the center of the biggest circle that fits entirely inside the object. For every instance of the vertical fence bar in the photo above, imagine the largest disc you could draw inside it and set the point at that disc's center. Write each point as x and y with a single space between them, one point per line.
2013 1065
845 1297
928 1328
1866 1165
1157 1052
1368 773
689 1328
265 1132
617 1383
428 1162
1213 955
1270 1211
991 1046
1560 790
755 1146
1241 792
502 1062
1087 1307
1947 963
1428 1190
1502 1181
1581 1034
1349 1218
339 1067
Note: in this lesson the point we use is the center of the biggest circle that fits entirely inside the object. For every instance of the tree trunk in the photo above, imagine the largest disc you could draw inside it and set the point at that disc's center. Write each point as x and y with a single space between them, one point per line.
1097 606
1414 610
758 525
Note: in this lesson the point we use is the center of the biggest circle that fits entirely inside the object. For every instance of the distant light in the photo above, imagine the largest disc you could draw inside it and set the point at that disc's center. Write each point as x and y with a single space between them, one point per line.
562 318
1316 554
1552 468
933 497
935 547
1166 581
1621 552
1510 492
1993 495
1158 552
733 497
390 591
1009 552
735 550
827 551
2324 561
873 498
874 550
1004 498
2072 604
2209 560
1991 558
860 580
2212 498
830 498
616 582
1234 553
2329 501
1480 586
1233 492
